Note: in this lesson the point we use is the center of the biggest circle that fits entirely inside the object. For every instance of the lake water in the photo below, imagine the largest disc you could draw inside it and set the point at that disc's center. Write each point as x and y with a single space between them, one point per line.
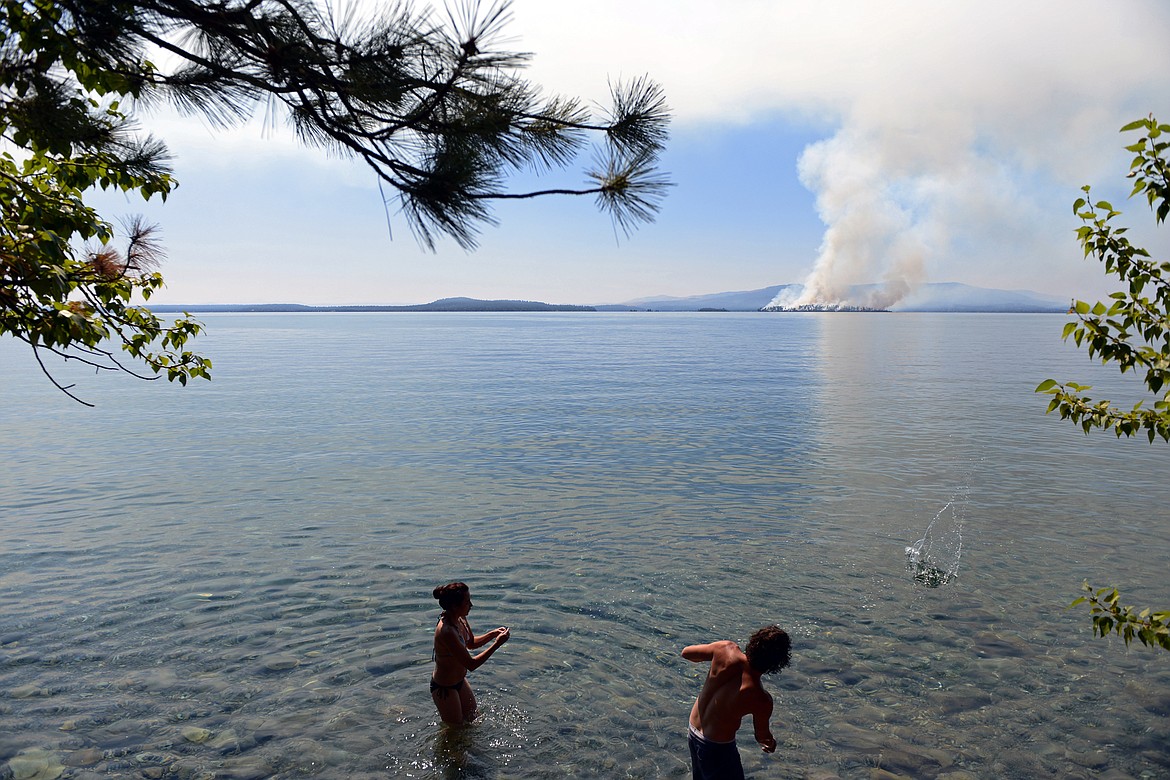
232 580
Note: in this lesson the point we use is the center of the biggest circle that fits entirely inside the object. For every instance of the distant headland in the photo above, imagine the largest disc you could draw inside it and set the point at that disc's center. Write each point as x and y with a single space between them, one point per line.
443 305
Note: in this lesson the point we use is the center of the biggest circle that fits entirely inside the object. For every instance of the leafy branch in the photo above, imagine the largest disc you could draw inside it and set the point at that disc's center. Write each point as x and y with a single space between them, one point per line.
1133 332
1109 616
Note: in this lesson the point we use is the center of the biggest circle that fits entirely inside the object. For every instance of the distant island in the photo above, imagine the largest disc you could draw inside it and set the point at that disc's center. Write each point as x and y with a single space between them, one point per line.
940 297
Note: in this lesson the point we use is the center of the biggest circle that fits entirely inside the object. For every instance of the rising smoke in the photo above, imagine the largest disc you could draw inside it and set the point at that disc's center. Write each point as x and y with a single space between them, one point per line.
877 225
956 145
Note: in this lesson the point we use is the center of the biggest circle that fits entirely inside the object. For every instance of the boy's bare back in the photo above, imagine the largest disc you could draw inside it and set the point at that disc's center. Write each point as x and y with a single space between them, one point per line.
731 691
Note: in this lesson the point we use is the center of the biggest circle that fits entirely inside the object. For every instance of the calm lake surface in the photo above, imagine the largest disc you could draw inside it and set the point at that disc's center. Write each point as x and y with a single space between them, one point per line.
232 580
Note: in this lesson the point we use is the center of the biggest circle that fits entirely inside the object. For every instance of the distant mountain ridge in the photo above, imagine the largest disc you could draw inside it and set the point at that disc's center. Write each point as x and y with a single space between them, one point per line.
952 296
937 297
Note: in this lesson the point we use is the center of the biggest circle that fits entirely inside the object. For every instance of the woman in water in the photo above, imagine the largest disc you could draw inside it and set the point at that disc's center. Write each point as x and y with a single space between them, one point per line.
453 659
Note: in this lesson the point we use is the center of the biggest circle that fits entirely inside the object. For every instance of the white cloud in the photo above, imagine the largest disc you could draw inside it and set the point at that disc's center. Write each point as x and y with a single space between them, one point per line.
953 119
855 59
956 133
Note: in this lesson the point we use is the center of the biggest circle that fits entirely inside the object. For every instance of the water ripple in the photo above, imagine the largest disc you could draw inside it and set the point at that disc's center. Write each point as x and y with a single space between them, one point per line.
240 585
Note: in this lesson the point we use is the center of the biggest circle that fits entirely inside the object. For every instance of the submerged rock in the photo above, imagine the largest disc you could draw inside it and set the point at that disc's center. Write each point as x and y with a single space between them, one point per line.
36 765
195 734
247 768
83 757
27 692
230 742
280 663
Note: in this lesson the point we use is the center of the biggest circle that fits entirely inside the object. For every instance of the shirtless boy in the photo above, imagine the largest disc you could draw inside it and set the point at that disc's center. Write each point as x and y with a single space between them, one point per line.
732 690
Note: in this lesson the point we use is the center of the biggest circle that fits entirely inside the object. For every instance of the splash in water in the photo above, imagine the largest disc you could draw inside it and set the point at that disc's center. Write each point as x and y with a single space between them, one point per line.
934 559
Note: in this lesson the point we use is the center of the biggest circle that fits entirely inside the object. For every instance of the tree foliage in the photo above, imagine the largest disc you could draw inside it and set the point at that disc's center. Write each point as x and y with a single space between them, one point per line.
429 101
1133 331
1150 628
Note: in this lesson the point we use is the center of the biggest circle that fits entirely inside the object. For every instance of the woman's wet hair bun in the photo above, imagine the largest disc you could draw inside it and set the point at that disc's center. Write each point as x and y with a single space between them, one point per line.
451 594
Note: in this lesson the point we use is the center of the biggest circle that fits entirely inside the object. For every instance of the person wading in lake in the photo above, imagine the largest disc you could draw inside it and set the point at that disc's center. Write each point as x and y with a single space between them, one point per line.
453 660
732 690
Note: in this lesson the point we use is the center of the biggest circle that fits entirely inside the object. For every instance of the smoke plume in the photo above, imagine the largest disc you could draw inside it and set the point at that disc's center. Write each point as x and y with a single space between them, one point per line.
876 221
962 133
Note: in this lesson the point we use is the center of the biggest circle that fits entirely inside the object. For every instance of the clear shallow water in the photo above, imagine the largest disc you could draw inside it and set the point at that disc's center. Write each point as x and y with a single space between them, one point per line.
233 579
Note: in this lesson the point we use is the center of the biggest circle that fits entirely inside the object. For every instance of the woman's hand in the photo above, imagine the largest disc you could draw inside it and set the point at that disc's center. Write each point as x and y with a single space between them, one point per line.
503 633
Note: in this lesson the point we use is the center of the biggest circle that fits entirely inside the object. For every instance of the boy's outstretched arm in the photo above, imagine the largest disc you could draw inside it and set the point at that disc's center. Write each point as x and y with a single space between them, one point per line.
698 653
763 732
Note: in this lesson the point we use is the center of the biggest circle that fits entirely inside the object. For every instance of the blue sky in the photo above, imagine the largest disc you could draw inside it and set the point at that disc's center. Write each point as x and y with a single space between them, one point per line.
828 141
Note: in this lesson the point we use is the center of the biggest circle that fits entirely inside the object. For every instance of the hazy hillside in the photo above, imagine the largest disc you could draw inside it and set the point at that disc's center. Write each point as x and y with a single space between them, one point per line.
951 296
941 297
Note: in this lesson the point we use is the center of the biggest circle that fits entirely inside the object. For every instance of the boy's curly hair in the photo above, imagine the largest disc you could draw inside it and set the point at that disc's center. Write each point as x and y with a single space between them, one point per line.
769 650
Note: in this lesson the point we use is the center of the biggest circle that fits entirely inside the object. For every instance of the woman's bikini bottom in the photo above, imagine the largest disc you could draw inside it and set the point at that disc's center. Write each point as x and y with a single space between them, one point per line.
445 690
